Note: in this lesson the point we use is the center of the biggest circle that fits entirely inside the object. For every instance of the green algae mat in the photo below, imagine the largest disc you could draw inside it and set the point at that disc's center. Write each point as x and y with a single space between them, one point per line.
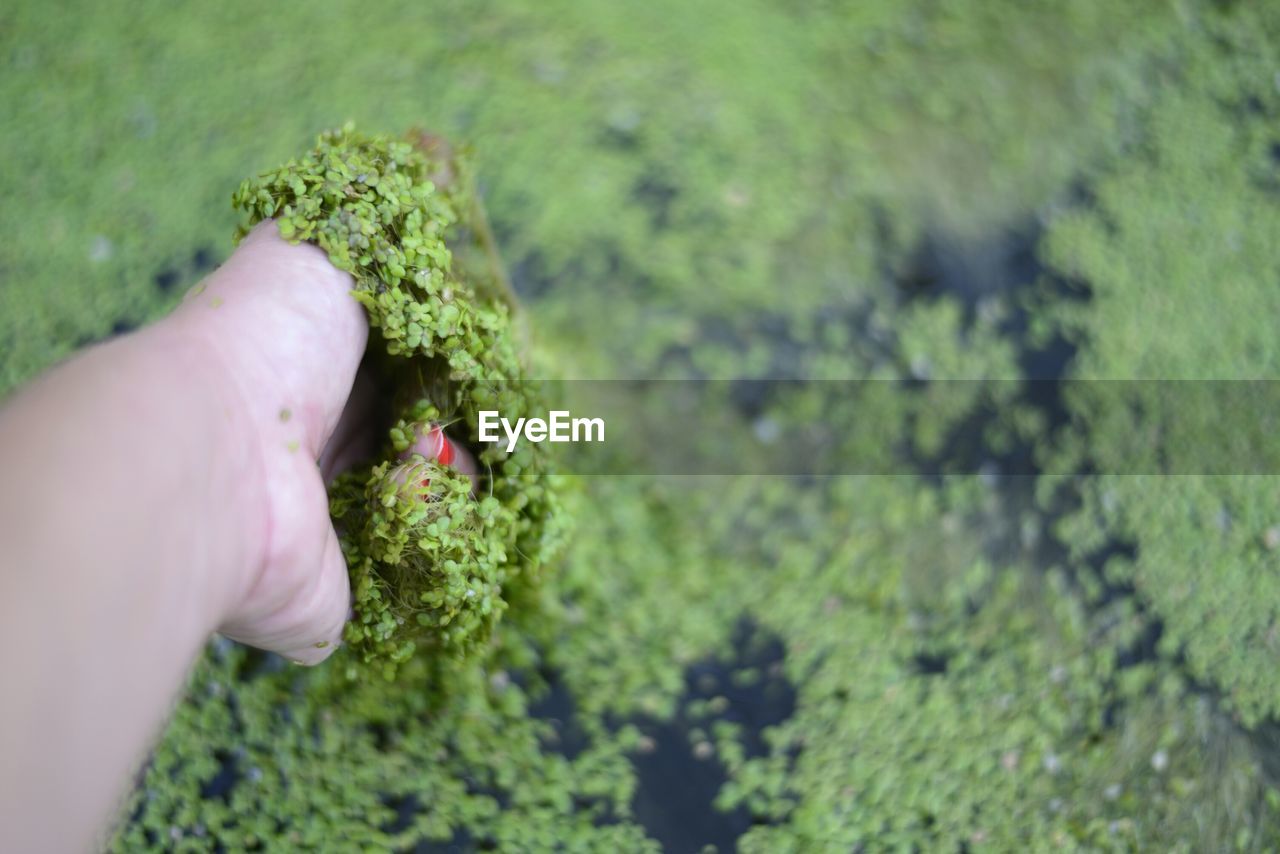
1024 641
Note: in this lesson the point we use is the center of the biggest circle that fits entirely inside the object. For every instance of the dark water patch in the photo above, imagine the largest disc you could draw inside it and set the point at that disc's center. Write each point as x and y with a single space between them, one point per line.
1014 472
970 271
118 327
1006 267
752 398
606 270
1265 739
167 280
225 779
675 798
790 343
556 707
621 133
679 772
256 663
529 278
920 276
930 664
203 260
461 843
656 195
406 809
1022 525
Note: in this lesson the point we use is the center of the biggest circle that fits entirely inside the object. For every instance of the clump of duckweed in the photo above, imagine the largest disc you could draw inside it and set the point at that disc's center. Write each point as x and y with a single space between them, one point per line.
431 564
1202 557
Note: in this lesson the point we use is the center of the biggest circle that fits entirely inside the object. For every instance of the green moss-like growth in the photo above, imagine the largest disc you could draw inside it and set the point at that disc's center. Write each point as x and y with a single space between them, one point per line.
429 564
1180 253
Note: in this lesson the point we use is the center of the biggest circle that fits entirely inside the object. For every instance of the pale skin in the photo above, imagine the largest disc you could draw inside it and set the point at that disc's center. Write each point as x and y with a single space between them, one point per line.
158 488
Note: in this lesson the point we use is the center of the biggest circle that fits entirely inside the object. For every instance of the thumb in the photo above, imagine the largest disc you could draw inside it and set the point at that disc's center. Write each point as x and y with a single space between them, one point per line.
317 631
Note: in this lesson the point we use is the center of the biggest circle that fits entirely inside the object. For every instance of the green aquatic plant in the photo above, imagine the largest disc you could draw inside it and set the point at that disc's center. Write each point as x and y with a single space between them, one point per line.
1179 251
430 565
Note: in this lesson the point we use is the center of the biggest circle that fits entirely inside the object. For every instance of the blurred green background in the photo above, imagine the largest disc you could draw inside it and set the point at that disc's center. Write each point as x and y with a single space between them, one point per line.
977 190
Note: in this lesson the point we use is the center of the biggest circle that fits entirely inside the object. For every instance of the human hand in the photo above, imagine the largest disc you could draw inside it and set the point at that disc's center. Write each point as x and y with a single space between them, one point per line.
287 338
